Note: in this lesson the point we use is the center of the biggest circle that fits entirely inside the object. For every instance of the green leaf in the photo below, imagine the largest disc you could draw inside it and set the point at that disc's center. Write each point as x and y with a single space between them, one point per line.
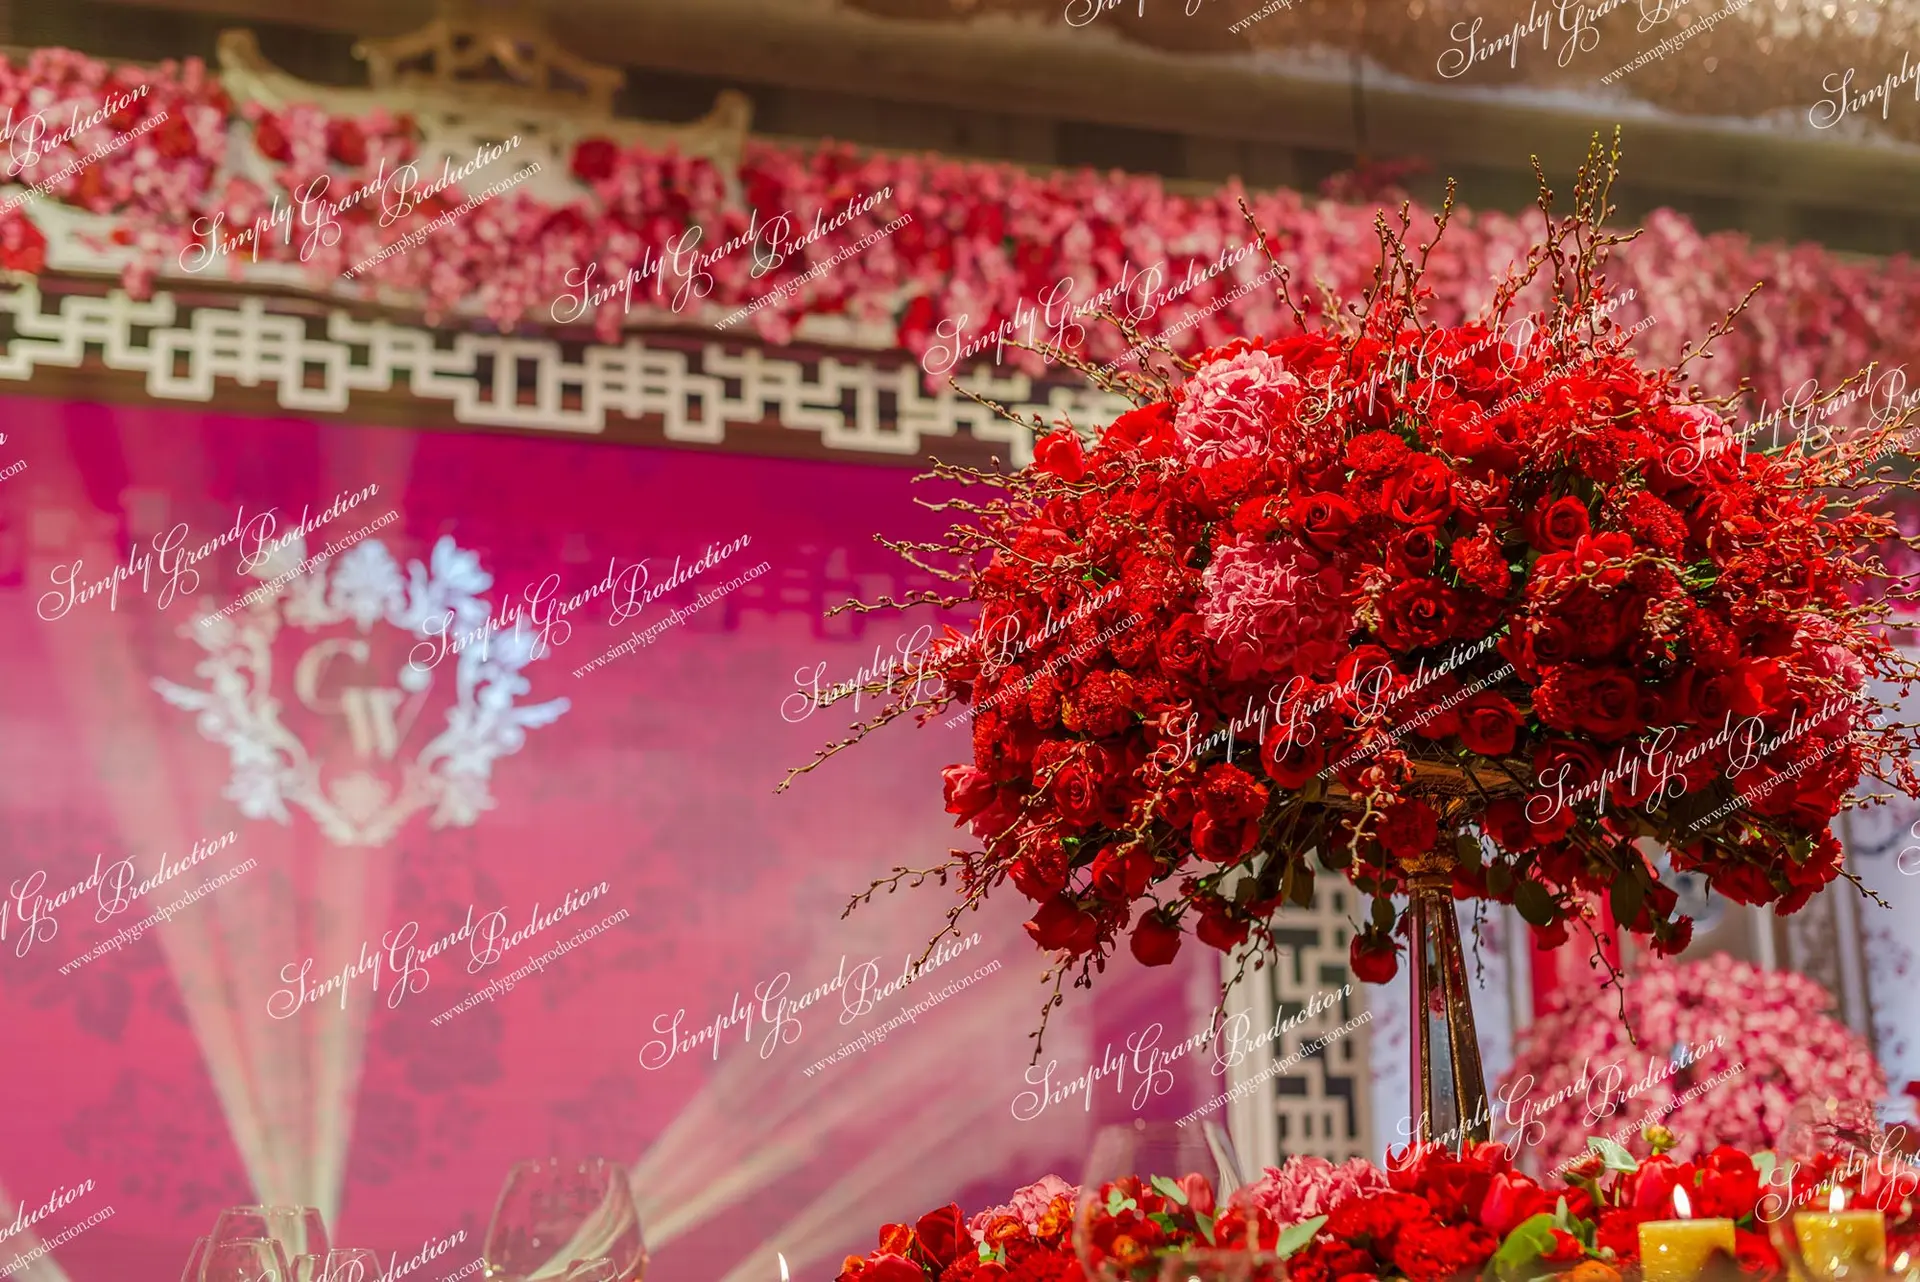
1629 892
1534 903
1303 887
1168 1189
1295 1236
1118 1202
1765 1162
1530 1239
1206 1227
1166 1222
1383 913
1499 879
1560 1218
1467 848
1616 1157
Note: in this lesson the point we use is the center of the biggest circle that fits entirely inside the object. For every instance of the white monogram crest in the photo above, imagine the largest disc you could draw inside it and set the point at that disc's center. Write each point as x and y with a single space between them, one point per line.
363 804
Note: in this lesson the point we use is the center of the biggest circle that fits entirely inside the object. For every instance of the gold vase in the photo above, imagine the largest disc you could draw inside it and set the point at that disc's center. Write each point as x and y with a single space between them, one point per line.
1449 1087
1449 1105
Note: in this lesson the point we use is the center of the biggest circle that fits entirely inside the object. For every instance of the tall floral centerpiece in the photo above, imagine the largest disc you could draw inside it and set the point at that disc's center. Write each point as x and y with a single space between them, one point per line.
1463 611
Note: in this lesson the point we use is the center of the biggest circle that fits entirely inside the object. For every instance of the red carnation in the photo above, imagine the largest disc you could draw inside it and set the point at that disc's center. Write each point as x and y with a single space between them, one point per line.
1376 453
347 142
593 160
1060 454
1428 1251
1147 431
1482 565
271 140
1232 793
1419 492
1416 613
1375 957
1155 940
1559 526
1489 725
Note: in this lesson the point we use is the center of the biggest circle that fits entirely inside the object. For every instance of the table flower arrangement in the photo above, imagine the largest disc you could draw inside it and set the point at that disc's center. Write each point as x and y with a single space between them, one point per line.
1431 1215
1737 1046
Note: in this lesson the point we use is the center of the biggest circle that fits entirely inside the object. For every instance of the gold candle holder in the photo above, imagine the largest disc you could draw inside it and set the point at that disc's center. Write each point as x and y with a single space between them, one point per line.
1678 1250
1838 1243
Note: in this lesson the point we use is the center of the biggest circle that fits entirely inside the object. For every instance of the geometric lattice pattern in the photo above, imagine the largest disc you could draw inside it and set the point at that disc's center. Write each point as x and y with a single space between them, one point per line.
1320 1101
508 381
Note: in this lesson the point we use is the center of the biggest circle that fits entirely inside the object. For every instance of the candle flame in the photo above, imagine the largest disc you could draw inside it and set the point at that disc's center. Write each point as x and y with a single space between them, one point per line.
1682 1209
1836 1200
1900 1262
783 1266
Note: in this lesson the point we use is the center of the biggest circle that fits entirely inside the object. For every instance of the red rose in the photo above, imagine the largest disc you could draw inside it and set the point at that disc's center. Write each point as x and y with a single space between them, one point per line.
1324 520
941 1232
1559 526
968 791
1060 923
174 139
1489 724
1289 763
1040 872
1409 829
1755 1254
1122 873
1420 492
271 140
891 1268
1060 454
1185 651
1155 940
1077 793
1147 431
593 159
1375 958
1414 554
1218 927
347 143
1416 613
23 247
131 114
1224 841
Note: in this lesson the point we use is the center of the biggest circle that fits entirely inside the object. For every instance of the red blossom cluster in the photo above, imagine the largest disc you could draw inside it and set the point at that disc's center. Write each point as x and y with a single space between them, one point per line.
1492 598
1442 1216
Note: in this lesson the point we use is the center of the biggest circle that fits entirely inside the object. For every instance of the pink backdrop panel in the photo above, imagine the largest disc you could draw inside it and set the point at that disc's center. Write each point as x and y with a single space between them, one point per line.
187 1067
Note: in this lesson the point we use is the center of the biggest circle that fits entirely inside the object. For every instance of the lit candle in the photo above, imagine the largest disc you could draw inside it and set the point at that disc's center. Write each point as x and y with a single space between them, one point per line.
1677 1250
1838 1243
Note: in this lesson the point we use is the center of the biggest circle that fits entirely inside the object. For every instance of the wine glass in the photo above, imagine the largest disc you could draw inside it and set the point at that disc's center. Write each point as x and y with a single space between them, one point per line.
1839 1128
308 1268
194 1257
244 1259
349 1265
554 1214
297 1229
1191 1171
596 1270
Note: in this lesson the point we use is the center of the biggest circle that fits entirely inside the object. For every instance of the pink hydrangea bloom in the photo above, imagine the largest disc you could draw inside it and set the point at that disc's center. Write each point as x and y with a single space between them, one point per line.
1310 1186
1752 1043
1231 407
1275 607
1026 1205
